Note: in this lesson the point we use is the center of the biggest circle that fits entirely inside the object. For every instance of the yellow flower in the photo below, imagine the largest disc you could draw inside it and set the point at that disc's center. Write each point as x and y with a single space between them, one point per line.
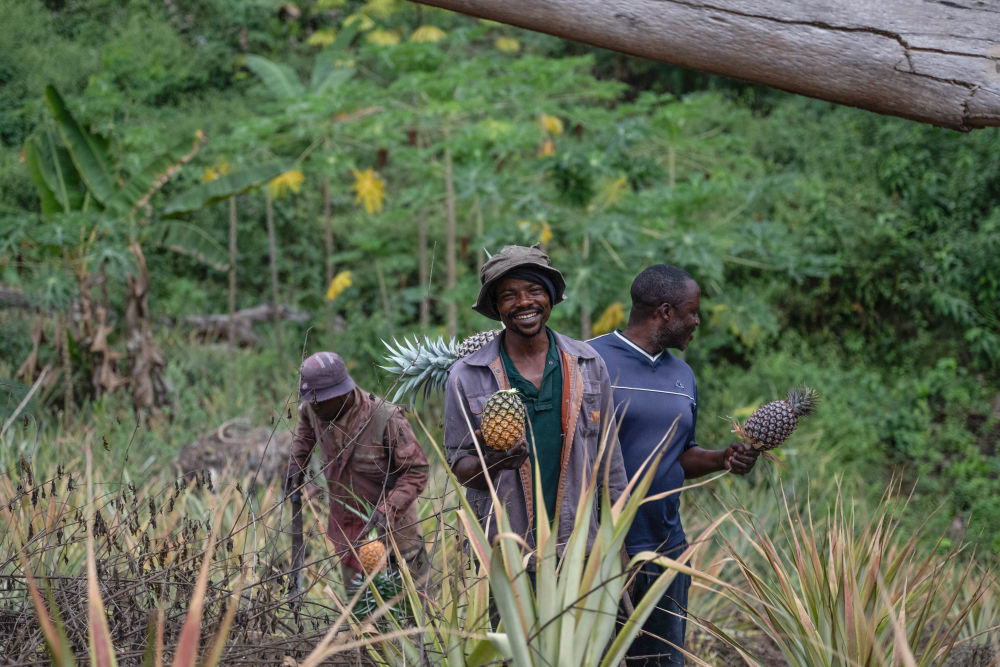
370 189
322 37
611 318
545 235
507 44
384 37
380 9
212 173
340 282
550 124
428 33
364 22
541 228
290 180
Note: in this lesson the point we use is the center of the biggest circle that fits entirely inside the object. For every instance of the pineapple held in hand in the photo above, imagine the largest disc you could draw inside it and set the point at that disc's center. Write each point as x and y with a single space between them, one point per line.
771 424
373 557
503 419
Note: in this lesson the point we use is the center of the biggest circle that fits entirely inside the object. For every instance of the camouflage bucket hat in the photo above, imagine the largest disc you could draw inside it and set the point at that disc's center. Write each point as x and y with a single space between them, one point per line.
509 258
323 376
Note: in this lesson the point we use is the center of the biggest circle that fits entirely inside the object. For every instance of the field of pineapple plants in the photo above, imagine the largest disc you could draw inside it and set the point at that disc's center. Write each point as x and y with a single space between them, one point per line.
165 165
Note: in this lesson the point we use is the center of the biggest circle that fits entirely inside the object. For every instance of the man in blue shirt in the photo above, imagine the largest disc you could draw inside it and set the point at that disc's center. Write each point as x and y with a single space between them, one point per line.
652 388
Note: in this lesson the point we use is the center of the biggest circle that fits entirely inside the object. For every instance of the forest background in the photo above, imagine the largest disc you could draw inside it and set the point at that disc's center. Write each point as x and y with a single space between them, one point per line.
365 157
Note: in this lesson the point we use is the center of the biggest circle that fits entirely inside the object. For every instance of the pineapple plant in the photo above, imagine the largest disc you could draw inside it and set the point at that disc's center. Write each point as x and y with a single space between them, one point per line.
503 419
425 362
771 424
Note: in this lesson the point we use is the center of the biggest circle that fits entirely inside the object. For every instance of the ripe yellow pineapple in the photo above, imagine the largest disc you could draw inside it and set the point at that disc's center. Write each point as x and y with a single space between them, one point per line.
503 419
771 424
373 557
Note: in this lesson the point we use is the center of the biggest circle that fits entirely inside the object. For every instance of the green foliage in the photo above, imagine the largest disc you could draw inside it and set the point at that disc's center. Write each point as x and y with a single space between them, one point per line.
836 247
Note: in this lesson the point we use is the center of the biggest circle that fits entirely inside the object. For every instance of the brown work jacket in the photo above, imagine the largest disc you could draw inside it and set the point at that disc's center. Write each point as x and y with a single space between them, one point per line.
365 471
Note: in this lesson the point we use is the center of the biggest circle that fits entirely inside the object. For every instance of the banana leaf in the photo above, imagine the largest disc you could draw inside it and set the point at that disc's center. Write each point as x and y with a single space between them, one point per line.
222 188
191 241
53 173
152 177
89 151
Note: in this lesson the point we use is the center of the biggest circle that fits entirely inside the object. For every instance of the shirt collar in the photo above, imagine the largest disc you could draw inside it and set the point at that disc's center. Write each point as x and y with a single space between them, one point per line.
651 357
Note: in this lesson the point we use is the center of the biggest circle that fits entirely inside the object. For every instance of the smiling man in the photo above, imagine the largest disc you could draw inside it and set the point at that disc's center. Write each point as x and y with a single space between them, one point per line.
566 391
653 388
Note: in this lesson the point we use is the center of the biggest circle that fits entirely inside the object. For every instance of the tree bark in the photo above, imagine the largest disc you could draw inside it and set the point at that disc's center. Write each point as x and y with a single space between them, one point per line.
424 268
451 310
273 253
232 271
934 61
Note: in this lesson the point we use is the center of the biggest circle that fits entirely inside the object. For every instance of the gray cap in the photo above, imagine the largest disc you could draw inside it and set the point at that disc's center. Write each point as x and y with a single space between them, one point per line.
509 258
323 376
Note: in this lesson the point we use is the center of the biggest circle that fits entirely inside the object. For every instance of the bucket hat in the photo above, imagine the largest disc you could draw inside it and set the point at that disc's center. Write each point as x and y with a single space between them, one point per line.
509 258
323 376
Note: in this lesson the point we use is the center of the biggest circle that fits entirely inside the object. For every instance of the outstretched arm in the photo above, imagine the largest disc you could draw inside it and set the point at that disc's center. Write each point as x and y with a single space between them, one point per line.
736 458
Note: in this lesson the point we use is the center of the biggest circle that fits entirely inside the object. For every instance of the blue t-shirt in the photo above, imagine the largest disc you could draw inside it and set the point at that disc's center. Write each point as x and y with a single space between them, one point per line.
650 392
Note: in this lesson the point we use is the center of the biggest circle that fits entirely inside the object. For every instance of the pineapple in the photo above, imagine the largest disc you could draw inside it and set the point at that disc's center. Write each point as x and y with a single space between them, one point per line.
476 341
503 419
373 557
425 363
771 424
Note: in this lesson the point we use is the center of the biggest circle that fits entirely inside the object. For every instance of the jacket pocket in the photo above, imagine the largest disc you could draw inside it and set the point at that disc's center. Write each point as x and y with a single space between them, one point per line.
590 414
369 460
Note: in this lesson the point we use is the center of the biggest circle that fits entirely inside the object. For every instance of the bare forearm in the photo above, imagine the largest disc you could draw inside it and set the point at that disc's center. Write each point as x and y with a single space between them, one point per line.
469 472
698 461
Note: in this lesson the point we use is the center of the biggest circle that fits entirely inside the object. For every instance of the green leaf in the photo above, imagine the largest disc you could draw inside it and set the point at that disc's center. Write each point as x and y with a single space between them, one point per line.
88 150
281 80
222 188
191 241
150 178
34 157
325 72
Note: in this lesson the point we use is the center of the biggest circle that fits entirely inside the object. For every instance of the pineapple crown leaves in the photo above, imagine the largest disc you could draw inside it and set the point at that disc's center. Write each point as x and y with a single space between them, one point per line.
422 362
419 363
803 400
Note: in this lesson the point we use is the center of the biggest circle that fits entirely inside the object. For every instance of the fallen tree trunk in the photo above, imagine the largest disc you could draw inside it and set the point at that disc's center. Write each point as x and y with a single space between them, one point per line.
217 327
934 61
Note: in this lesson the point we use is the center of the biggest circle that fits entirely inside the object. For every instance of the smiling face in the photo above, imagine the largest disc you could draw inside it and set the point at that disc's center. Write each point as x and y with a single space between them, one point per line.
524 306
679 320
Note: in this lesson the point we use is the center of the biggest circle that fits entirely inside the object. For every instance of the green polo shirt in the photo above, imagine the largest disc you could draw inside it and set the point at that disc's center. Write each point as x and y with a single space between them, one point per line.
544 408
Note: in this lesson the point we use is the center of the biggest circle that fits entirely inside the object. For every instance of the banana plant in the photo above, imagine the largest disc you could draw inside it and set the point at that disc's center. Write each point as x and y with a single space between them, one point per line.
97 214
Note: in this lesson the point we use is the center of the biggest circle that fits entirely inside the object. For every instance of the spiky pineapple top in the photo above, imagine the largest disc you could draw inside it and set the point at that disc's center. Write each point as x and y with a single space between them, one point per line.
771 424
423 362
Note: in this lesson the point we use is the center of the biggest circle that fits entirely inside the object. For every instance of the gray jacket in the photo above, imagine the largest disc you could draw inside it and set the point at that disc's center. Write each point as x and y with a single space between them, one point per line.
587 413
